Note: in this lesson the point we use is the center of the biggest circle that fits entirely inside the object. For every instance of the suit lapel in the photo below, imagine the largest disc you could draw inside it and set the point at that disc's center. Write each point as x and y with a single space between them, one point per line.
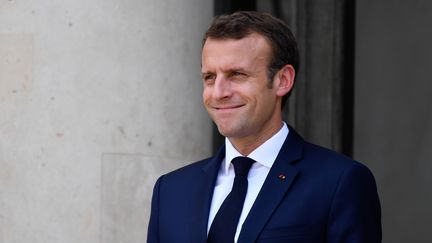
276 185
203 197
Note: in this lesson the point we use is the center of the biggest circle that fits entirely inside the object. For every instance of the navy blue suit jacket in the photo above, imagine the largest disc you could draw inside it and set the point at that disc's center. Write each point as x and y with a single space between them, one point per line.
325 197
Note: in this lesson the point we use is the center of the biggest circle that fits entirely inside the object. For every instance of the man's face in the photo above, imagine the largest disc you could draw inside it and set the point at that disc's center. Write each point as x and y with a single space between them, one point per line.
236 93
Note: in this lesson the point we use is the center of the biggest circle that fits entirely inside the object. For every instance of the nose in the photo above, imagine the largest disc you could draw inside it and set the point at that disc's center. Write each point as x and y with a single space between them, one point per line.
222 88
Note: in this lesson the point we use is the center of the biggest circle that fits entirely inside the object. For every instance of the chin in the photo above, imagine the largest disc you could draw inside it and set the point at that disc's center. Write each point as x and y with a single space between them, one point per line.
230 132
225 131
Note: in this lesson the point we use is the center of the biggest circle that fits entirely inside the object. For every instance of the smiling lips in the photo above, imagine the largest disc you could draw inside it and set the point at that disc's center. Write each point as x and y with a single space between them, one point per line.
227 108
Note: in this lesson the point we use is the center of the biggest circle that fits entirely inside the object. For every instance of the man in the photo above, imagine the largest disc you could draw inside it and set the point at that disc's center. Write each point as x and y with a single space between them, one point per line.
291 191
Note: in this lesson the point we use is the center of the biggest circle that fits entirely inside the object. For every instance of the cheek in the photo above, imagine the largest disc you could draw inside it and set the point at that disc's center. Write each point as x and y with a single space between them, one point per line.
265 100
206 96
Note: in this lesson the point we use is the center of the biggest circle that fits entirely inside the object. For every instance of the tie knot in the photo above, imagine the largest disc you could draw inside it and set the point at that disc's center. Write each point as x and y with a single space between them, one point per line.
242 165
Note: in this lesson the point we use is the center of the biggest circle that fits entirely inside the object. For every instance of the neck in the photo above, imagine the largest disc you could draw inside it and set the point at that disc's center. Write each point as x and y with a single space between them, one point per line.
246 145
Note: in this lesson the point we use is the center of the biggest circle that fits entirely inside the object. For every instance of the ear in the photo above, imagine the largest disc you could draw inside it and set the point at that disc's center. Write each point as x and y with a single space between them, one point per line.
284 80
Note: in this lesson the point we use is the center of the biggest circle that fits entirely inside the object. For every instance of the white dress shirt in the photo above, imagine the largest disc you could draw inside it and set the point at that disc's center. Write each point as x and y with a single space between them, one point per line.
264 155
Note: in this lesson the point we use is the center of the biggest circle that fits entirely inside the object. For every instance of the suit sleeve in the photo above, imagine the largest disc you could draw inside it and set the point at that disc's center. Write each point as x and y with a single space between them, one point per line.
355 215
153 227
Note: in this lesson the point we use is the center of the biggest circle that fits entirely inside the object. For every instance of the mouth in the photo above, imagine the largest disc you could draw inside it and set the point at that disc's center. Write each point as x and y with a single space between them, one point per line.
227 107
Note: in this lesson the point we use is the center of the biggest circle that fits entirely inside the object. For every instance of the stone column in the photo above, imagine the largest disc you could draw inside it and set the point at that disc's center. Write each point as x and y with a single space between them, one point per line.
97 99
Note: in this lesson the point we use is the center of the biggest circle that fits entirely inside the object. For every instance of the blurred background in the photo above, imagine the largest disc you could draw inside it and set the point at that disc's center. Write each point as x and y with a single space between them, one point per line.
98 98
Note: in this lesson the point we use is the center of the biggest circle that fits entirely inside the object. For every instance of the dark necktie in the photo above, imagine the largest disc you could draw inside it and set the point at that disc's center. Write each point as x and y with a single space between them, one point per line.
224 225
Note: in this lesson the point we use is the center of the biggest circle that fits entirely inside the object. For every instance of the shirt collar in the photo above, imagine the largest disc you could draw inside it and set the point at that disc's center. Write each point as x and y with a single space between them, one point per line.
265 154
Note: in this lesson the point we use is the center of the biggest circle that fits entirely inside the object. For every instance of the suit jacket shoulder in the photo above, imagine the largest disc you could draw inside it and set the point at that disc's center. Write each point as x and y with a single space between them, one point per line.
181 202
313 194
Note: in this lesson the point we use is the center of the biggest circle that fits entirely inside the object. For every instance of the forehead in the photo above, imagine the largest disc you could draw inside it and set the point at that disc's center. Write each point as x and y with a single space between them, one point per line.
252 49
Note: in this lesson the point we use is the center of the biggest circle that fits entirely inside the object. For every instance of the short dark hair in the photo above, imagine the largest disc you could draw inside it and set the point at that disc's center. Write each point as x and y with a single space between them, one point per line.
243 23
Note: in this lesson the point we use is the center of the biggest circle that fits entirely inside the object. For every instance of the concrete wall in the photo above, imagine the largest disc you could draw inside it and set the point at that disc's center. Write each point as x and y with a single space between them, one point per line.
393 118
97 99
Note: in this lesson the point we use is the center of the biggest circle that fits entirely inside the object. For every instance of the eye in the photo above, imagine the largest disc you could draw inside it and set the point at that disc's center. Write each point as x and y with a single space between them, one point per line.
237 75
208 78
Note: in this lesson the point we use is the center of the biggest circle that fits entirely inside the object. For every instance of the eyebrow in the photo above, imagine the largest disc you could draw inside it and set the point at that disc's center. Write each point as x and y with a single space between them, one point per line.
235 69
